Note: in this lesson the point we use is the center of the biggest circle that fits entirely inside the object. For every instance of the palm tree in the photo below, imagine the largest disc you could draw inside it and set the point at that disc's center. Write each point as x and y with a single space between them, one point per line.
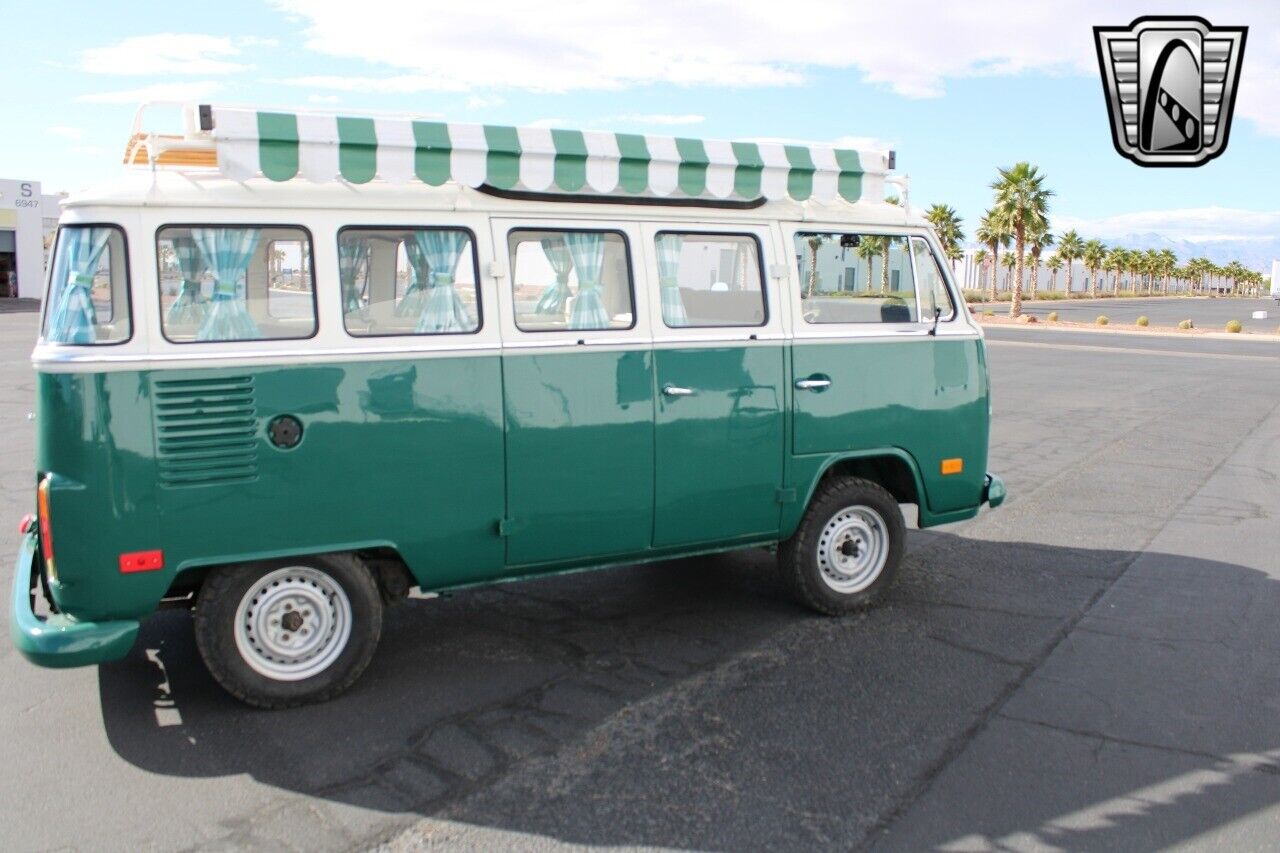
1070 246
885 243
815 243
1023 201
980 260
1116 262
993 232
1151 263
1168 260
1053 265
1010 263
1092 254
947 225
1038 240
867 250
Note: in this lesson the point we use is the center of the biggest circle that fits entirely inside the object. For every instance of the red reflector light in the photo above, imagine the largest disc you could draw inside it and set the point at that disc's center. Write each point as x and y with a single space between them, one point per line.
25 524
141 561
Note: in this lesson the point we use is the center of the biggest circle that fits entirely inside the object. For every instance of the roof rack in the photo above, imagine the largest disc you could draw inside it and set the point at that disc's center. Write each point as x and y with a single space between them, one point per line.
321 147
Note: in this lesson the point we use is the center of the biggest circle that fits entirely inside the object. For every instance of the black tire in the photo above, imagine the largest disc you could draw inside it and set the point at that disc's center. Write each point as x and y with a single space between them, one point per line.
215 628
799 561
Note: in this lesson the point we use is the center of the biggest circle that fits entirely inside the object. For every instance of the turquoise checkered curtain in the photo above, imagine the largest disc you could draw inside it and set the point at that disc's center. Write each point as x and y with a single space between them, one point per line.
443 311
411 304
72 319
188 308
667 247
587 251
353 255
556 296
228 252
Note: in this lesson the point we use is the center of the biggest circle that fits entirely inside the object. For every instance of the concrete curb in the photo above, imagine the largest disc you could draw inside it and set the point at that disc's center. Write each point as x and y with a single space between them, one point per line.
1103 330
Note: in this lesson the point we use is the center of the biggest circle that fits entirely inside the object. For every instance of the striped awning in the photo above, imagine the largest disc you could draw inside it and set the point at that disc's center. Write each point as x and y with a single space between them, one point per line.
318 147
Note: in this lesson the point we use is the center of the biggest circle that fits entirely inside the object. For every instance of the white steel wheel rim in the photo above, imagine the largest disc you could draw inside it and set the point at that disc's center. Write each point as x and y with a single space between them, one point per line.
293 623
852 549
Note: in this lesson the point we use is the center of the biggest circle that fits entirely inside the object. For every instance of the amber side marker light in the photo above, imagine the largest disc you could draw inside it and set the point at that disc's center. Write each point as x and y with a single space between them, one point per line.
46 527
141 561
952 466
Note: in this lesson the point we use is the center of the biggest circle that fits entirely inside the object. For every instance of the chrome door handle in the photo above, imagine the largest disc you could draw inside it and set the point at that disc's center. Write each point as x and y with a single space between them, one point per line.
676 391
812 384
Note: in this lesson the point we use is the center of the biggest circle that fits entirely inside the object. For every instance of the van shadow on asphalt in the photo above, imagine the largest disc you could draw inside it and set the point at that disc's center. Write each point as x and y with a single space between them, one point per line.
748 721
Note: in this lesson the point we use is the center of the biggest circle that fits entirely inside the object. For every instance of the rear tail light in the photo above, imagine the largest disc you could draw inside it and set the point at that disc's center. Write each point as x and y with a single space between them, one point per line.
46 526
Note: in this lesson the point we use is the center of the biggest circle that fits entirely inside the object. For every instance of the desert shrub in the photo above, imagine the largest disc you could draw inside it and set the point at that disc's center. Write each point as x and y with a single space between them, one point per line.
1051 295
1004 297
1102 320
988 313
1143 321
972 296
1186 324
1234 326
1053 316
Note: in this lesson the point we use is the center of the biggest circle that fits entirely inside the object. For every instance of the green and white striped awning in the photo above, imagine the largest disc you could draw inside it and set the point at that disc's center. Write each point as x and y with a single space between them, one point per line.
317 147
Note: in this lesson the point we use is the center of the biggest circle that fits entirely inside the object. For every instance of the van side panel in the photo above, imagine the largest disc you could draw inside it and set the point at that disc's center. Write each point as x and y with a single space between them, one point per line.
94 436
580 437
406 454
927 396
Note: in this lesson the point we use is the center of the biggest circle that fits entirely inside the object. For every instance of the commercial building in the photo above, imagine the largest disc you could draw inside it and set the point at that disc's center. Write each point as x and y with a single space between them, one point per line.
28 219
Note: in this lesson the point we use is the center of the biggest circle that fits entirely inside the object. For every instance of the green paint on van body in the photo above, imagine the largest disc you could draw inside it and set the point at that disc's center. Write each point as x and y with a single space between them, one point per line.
488 467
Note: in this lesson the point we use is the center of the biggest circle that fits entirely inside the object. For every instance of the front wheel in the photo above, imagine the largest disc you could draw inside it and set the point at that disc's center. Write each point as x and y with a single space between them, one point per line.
287 633
845 554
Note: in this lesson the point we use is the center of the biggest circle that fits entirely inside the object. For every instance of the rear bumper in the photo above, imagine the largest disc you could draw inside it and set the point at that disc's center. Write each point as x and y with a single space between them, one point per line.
59 640
993 492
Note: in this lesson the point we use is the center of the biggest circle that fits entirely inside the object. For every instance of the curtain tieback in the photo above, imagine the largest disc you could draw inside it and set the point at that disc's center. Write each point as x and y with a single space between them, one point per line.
223 289
441 279
588 284
80 278
668 281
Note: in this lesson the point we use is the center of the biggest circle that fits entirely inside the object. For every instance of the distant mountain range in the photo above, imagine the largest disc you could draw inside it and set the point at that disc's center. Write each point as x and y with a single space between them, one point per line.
1254 254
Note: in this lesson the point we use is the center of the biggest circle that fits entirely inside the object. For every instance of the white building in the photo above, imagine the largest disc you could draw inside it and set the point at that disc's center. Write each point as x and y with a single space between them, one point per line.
27 219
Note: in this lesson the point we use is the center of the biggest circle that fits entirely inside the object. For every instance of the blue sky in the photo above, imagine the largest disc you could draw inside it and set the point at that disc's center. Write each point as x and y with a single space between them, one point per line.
955 92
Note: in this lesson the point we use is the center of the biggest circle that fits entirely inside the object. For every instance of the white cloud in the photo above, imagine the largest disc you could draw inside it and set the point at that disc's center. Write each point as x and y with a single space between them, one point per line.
911 47
164 53
66 132
654 118
1199 224
480 102
322 99
184 92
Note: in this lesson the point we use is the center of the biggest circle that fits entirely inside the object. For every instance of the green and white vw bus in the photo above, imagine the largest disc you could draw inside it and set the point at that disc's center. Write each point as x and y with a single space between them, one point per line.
292 366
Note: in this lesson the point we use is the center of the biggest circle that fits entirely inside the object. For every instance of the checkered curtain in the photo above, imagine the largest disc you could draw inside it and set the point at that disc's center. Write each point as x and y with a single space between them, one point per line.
556 296
228 252
668 248
72 320
443 310
189 307
353 256
587 251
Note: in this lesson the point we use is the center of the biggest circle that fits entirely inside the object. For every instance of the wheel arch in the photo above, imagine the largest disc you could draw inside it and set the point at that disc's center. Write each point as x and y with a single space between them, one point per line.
892 467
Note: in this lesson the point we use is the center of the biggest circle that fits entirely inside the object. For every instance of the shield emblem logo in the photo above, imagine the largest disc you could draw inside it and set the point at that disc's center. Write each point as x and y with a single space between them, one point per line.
1171 86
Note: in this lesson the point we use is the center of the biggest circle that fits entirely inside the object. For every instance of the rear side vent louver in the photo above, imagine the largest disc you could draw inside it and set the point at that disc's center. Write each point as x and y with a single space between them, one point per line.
206 431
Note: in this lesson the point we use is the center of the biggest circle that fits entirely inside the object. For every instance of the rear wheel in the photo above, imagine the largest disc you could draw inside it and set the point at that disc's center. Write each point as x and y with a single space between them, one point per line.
287 633
845 554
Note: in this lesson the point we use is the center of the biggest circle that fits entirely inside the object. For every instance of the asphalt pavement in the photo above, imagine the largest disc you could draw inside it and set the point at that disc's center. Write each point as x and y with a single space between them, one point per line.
1090 666
1206 312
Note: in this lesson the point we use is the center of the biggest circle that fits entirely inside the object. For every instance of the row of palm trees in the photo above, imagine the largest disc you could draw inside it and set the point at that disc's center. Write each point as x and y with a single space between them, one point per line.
1019 215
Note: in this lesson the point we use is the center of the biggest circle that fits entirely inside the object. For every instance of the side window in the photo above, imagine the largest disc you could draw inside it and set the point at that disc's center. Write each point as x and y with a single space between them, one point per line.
571 280
408 281
235 283
709 280
856 278
88 299
933 287
288 276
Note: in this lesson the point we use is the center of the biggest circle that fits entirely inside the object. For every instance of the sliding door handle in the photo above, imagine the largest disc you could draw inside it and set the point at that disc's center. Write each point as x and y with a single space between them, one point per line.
812 384
676 391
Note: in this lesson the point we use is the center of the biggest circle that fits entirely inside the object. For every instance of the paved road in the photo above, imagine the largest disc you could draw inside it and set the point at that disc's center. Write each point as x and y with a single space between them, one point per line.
1205 312
1090 666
